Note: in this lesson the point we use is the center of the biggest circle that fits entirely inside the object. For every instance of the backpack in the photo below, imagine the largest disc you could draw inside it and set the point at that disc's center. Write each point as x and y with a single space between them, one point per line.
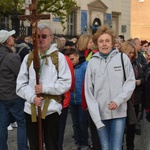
53 55
47 97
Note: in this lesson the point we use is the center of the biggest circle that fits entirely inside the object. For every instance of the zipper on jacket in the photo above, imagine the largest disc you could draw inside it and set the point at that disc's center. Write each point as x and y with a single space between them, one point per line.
74 95
74 92
109 98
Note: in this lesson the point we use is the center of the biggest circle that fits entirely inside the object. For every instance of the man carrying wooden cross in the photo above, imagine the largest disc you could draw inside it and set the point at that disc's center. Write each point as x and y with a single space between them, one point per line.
53 83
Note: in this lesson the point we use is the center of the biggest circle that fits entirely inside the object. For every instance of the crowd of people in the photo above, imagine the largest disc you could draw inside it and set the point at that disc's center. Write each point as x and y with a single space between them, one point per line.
83 75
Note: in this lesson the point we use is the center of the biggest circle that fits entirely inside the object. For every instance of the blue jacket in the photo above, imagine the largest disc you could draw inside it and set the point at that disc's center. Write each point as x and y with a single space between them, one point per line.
76 95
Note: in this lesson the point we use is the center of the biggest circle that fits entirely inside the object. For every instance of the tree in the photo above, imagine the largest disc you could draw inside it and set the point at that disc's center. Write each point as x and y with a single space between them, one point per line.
59 8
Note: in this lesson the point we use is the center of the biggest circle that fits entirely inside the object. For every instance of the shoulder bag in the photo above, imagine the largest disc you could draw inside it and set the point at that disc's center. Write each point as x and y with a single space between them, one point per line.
131 116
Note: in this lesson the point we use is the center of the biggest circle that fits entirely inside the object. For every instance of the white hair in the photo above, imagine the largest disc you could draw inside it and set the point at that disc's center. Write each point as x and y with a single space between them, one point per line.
44 26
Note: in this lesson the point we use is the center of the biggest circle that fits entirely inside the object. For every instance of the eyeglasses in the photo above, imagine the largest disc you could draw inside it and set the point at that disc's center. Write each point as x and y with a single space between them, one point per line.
43 36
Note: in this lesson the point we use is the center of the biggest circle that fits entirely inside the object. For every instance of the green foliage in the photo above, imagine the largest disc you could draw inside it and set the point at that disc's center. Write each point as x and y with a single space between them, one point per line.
4 7
8 6
59 8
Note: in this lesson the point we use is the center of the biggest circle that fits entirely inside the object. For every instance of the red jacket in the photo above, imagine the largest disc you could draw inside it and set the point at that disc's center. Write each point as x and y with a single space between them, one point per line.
66 101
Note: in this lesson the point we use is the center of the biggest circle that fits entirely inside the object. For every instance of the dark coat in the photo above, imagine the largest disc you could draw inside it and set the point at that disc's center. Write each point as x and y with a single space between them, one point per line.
22 48
137 94
141 59
146 87
9 69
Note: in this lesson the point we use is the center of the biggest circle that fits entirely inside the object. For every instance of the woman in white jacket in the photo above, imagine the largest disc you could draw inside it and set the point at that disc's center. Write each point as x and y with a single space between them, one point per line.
106 91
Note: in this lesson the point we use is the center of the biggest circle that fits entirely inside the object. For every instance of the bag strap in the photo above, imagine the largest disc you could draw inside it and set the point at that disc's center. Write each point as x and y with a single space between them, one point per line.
123 66
54 58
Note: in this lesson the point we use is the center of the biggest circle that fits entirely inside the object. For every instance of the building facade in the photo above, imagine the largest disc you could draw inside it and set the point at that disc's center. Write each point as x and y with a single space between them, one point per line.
129 18
90 14
140 19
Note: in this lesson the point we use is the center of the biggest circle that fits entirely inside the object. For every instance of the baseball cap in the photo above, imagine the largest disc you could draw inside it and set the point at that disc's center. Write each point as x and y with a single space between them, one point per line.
4 34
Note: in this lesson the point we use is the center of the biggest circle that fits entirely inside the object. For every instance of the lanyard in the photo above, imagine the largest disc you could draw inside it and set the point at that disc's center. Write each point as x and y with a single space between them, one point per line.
41 61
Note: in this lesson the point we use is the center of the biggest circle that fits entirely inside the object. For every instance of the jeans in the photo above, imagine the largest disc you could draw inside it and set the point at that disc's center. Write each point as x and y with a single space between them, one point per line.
8 109
62 125
80 124
111 136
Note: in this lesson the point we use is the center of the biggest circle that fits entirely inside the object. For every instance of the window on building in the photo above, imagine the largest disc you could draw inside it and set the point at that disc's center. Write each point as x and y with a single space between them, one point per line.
4 22
72 24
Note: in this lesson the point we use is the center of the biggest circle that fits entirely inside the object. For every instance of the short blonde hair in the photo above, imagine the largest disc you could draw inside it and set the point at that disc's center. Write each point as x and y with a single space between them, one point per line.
126 46
102 30
83 42
57 40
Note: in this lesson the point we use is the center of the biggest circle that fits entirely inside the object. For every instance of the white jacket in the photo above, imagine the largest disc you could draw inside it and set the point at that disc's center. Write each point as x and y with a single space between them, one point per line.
104 82
53 82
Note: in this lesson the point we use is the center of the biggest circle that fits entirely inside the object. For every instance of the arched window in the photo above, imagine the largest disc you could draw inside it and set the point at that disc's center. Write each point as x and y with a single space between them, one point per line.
95 25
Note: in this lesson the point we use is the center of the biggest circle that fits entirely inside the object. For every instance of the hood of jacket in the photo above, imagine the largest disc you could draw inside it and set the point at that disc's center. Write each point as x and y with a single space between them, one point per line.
111 54
19 44
52 48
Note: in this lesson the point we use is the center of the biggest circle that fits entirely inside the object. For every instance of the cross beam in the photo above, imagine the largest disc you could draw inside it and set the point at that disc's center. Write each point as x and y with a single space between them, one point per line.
34 17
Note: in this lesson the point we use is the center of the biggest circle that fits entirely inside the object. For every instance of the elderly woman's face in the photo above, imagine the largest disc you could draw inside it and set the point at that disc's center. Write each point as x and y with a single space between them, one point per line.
104 43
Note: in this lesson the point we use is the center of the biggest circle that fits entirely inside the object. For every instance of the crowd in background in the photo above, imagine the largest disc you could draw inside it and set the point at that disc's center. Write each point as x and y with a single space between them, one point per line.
88 58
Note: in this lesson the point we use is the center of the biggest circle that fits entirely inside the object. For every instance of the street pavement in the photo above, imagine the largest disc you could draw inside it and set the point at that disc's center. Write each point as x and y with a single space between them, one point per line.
142 142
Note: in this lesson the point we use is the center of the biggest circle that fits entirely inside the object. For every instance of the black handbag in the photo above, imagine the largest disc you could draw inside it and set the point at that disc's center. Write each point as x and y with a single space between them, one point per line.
131 116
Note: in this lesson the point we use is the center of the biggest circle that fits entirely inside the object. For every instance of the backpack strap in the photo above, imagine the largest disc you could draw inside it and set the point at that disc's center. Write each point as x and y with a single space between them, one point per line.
57 98
30 59
54 58
53 55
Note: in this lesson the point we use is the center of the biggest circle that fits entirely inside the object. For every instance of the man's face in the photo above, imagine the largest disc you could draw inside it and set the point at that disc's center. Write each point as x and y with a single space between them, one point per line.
138 45
45 38
10 41
26 39
104 43
145 47
74 59
148 56
121 40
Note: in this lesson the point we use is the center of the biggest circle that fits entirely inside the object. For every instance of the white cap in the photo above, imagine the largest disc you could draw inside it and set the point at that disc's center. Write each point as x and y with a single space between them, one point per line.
4 34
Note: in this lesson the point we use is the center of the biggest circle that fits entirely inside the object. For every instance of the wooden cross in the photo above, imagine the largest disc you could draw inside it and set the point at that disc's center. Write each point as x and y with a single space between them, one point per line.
34 18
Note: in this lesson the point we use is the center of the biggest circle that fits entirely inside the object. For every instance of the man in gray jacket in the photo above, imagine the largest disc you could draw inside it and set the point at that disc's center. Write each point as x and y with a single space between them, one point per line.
10 103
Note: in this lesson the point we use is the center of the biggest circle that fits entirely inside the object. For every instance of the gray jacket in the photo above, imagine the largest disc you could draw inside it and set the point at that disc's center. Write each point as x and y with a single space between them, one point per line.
9 69
104 82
